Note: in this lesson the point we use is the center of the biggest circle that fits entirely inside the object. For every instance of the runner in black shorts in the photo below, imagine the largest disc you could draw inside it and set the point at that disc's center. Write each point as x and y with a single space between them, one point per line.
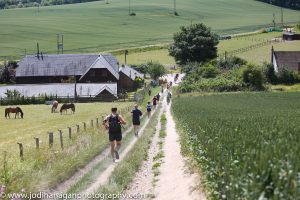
136 114
113 123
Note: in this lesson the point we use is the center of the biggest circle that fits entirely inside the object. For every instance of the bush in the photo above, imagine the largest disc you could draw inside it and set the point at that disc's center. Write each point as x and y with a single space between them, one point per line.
156 70
298 25
209 71
231 62
253 77
219 84
190 67
269 73
287 77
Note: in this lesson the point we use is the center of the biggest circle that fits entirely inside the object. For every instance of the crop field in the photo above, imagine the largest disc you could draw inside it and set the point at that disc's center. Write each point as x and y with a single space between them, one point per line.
49 166
247 144
97 26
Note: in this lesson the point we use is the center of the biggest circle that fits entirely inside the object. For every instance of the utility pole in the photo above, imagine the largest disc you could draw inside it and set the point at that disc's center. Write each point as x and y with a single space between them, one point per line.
60 44
282 17
175 7
129 8
126 53
274 22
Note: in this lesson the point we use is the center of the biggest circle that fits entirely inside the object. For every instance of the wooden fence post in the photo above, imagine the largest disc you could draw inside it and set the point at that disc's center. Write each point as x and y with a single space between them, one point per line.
70 132
92 123
50 139
21 151
97 121
61 139
37 142
84 125
77 128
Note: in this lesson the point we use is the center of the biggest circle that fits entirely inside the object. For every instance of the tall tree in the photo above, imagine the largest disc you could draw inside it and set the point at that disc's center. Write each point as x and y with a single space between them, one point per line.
195 43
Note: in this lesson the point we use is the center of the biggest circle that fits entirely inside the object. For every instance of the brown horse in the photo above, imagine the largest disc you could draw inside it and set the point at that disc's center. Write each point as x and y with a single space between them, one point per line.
54 106
16 110
67 106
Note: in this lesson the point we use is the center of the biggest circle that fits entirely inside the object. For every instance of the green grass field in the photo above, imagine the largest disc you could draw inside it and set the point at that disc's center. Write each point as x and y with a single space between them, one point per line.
247 145
258 55
96 26
43 168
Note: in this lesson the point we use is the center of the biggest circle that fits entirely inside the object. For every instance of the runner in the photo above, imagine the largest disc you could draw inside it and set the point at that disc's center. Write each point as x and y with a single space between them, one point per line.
162 89
149 107
136 114
113 123
158 97
149 92
169 96
154 101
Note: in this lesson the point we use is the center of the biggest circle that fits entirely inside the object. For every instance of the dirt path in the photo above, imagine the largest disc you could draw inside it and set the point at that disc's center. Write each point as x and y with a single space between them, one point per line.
175 180
65 186
104 176
143 180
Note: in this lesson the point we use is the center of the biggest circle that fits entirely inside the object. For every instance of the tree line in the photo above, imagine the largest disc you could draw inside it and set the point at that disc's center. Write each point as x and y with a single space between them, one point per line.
7 4
293 4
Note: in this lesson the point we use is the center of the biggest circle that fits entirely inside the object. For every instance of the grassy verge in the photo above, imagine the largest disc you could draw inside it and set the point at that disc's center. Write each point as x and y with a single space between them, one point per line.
125 171
158 158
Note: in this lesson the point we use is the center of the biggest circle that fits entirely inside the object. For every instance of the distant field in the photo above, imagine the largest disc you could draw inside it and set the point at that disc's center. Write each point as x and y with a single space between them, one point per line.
258 55
96 26
247 145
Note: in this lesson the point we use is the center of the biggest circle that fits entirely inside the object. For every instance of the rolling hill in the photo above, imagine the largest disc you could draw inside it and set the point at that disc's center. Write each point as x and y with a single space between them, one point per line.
96 26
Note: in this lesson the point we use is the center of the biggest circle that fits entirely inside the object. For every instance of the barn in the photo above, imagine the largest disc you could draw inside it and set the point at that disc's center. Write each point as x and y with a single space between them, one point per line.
81 76
127 78
81 68
289 60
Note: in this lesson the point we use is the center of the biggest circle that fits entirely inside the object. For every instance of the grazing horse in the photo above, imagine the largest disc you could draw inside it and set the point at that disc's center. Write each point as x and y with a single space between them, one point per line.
54 106
67 106
16 110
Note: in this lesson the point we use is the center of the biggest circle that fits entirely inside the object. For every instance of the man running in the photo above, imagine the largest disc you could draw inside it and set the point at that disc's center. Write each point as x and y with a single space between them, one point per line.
169 96
113 123
149 108
136 114
154 101
158 97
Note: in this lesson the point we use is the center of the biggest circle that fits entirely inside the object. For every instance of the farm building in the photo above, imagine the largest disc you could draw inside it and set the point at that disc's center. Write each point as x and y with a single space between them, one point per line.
70 75
103 91
127 77
289 36
289 60
85 68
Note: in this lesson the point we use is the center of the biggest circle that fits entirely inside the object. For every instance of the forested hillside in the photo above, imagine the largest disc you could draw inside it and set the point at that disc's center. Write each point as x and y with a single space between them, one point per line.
294 4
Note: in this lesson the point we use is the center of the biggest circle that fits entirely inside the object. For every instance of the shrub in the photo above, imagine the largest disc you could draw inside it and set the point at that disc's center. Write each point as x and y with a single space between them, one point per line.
231 62
269 73
209 71
287 77
253 77
156 70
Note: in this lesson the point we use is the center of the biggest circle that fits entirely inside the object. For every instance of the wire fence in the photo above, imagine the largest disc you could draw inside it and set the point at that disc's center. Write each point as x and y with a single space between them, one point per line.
262 43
